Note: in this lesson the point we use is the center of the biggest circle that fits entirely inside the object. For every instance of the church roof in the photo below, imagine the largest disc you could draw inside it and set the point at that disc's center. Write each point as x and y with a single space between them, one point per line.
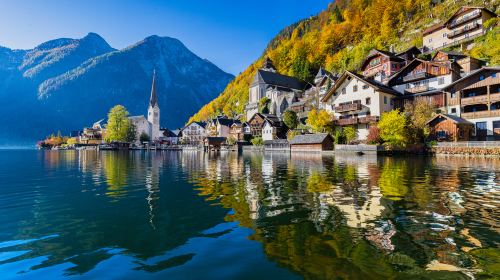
276 79
268 64
153 101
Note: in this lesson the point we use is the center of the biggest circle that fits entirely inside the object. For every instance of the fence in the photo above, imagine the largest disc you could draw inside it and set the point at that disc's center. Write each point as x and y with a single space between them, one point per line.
471 144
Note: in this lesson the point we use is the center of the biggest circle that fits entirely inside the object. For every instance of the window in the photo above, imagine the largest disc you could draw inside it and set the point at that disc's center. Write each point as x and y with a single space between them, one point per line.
407 86
430 40
481 77
392 101
355 88
453 95
440 80
368 101
365 86
493 75
453 110
343 91
385 99
444 35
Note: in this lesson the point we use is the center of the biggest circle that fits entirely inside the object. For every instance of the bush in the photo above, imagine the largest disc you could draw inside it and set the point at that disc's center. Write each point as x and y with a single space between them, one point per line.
350 134
393 129
257 141
338 136
373 135
290 119
144 137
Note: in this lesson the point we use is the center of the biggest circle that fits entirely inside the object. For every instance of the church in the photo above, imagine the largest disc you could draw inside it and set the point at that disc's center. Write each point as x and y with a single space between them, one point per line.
151 124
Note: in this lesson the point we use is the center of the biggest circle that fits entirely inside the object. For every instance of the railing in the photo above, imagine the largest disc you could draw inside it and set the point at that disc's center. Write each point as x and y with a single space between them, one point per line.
368 119
480 114
348 107
474 99
469 17
349 121
418 89
495 97
470 38
416 76
463 30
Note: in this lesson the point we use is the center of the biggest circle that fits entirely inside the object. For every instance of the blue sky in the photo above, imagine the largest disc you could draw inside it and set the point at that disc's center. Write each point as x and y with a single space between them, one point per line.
231 34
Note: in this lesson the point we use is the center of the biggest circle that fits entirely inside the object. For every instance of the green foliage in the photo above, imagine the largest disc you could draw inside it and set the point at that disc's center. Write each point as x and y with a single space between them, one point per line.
257 141
488 259
264 105
339 136
393 128
320 121
290 119
118 127
144 137
488 47
419 113
350 133
231 140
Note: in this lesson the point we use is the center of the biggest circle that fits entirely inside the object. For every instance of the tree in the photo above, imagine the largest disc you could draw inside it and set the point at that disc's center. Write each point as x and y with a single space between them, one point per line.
320 121
118 127
420 112
264 105
350 133
132 133
231 140
144 137
257 141
393 130
290 119
339 136
337 15
373 136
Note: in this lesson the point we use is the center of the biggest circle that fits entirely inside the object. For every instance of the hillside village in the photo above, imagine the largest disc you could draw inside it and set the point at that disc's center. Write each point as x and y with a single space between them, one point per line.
283 112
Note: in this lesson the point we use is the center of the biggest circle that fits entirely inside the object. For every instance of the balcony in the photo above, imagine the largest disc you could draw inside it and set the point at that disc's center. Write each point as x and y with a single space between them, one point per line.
349 121
459 32
467 18
368 119
416 76
348 107
495 97
482 99
418 89
480 114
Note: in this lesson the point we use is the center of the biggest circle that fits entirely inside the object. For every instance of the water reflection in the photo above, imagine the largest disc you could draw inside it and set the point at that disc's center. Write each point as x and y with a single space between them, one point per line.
318 216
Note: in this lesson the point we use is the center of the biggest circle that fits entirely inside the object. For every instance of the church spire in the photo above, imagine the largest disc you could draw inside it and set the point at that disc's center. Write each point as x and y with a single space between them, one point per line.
153 101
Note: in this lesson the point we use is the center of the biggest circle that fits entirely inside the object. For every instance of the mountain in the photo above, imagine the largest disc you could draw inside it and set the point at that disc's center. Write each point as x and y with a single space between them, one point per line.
340 37
66 84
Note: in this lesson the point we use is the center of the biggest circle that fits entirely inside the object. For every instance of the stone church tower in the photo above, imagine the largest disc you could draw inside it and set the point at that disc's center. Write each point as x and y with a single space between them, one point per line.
154 111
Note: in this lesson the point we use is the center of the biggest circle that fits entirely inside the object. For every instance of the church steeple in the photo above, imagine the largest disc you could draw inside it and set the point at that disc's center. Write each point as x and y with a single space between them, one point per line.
153 100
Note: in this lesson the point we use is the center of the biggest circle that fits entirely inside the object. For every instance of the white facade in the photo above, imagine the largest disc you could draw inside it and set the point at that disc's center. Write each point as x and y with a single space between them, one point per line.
154 120
142 125
267 132
433 83
193 133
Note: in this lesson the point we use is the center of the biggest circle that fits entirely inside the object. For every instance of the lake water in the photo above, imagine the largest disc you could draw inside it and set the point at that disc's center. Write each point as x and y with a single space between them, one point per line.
192 215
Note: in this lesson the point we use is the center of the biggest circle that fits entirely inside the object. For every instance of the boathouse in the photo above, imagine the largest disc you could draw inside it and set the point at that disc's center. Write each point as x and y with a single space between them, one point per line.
449 128
312 142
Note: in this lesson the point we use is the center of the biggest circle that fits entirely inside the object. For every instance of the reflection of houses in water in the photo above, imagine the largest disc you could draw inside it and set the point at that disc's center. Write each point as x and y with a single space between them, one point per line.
152 183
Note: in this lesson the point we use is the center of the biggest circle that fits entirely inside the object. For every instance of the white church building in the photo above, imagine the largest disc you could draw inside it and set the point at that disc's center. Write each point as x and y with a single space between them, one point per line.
151 124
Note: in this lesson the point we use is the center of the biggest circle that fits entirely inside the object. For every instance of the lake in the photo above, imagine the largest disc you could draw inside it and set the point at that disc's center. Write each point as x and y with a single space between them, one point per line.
194 215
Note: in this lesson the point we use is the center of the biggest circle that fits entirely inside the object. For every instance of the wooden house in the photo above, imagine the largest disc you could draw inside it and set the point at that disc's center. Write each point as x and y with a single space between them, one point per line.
449 128
380 65
312 143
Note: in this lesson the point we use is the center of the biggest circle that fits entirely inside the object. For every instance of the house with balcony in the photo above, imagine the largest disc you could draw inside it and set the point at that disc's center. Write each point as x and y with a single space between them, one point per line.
256 123
467 64
422 79
462 27
220 126
358 102
239 131
194 133
476 98
380 65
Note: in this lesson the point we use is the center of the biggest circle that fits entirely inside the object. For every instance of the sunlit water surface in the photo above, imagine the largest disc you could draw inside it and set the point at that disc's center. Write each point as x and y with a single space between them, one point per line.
192 215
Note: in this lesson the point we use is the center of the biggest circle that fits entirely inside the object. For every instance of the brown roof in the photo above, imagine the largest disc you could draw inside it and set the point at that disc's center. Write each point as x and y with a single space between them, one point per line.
433 28
375 52
452 118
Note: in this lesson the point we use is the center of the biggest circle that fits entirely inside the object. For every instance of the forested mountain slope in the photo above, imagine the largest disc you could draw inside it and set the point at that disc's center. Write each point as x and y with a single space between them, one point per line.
339 38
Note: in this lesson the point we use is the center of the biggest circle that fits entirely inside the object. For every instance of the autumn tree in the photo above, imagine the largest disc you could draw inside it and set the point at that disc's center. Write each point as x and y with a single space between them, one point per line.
290 119
393 128
350 133
419 113
119 125
320 121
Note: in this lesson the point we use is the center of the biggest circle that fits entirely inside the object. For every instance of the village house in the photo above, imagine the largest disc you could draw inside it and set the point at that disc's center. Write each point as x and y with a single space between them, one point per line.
273 129
282 90
476 98
466 63
151 125
256 123
462 27
194 133
169 137
445 127
240 131
220 126
92 135
422 79
312 143
358 102
380 65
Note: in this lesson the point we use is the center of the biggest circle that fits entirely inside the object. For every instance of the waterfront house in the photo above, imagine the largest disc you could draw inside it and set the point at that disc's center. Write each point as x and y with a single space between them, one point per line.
256 123
194 133
239 131
273 129
358 102
169 137
461 28
476 98
380 65
220 126
445 127
214 143
422 79
311 143
277 145
282 90
92 135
